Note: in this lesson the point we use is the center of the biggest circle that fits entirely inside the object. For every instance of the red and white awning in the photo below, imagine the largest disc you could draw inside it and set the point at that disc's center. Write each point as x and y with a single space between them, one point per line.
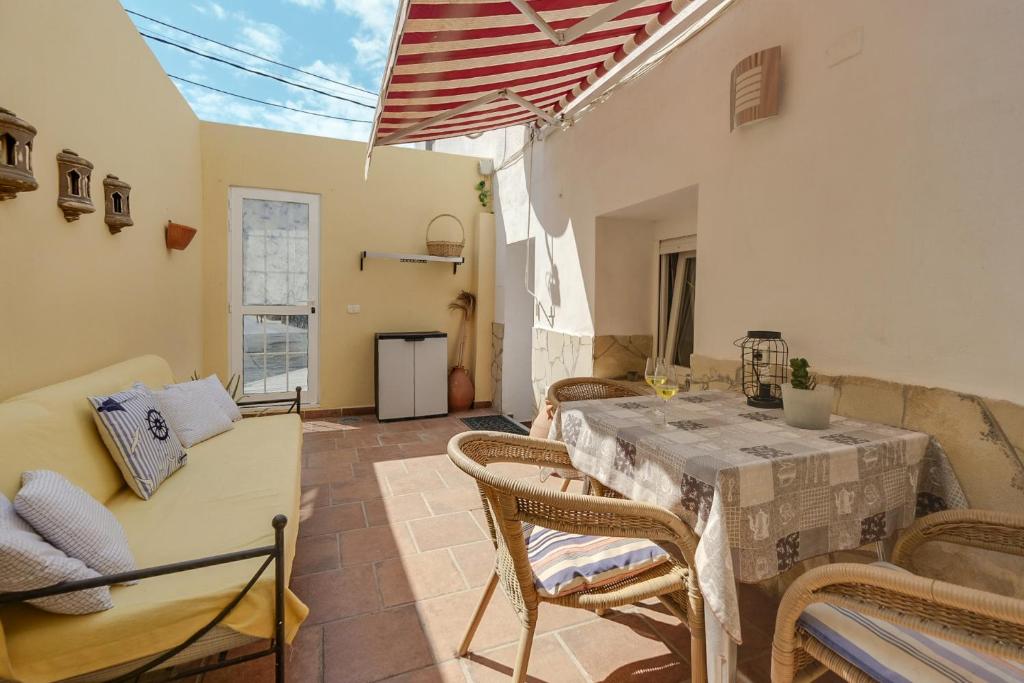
468 66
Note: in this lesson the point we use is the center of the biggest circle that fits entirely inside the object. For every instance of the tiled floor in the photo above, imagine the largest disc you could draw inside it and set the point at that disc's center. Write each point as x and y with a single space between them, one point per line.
391 558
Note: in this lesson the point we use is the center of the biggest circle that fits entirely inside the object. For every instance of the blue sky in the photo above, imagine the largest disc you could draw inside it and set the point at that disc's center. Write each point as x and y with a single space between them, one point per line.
345 40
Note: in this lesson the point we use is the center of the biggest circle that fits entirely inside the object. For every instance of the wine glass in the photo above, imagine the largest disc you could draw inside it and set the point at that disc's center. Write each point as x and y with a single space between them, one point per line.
654 372
668 388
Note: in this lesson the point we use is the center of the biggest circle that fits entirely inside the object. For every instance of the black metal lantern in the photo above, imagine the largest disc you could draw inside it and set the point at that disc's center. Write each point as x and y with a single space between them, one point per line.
765 357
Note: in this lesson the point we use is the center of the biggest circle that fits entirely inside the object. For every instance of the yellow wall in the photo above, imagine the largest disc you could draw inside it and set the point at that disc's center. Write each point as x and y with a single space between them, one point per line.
389 212
73 297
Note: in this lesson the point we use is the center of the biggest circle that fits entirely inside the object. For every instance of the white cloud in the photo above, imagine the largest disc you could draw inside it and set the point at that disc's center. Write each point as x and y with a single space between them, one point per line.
263 38
211 9
376 22
308 4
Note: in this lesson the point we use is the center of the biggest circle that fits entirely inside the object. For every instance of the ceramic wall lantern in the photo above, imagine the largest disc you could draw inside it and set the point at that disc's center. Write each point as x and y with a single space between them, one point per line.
117 204
179 236
74 174
16 138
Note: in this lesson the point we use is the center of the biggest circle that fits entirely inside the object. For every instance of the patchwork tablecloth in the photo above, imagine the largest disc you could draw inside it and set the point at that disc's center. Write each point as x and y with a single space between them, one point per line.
761 495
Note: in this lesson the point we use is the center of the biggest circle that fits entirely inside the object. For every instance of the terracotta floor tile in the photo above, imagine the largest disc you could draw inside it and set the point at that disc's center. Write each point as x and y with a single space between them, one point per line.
358 489
415 482
624 648
555 617
549 663
427 461
448 672
430 447
399 437
457 479
378 469
476 560
446 501
397 509
375 646
375 453
446 618
316 554
332 519
302 662
446 530
331 458
374 544
357 438
418 577
337 594
316 443
315 496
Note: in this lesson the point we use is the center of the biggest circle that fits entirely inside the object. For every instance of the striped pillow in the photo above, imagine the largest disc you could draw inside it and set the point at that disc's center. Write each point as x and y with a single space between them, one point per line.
565 563
887 652
139 439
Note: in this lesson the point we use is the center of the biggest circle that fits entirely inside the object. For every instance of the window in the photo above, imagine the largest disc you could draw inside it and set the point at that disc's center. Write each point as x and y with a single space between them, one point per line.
676 297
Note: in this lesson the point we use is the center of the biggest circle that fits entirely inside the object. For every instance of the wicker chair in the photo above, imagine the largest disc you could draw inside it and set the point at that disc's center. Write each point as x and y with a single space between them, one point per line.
985 622
582 389
508 503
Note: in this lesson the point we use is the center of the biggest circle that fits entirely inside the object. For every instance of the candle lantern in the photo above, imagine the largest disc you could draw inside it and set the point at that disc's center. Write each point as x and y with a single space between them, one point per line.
765 364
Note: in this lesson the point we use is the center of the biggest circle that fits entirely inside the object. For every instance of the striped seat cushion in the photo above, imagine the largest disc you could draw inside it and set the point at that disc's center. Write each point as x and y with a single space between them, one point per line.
565 563
887 652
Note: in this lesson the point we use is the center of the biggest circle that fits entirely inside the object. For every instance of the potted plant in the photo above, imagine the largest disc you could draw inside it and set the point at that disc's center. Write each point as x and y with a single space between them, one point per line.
460 386
805 404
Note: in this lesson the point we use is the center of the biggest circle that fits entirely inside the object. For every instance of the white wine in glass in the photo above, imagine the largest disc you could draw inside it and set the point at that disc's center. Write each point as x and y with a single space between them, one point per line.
654 372
668 388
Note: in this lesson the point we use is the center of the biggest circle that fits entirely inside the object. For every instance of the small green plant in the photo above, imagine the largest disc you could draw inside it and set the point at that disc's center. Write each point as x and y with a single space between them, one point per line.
801 377
483 194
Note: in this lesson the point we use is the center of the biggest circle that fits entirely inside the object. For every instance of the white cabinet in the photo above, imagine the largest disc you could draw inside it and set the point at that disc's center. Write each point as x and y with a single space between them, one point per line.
411 374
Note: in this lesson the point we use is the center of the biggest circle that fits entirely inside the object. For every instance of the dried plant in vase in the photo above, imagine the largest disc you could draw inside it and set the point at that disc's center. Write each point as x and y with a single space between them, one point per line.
460 385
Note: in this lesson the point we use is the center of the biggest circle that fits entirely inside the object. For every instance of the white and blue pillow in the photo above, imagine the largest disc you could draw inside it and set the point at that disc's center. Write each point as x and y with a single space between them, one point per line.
192 412
139 438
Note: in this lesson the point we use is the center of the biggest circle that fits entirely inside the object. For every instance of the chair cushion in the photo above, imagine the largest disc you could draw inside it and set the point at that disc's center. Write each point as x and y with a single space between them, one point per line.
69 518
565 563
139 439
887 652
28 562
192 411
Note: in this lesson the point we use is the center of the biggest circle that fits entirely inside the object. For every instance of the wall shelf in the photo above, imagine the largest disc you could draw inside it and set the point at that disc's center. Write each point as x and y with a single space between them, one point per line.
456 261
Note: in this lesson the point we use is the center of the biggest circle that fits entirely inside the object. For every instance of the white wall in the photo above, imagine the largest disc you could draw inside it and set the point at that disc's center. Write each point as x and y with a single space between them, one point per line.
625 282
875 221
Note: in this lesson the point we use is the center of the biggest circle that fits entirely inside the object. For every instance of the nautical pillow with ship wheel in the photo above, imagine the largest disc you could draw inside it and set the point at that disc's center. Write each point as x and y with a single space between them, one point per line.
139 438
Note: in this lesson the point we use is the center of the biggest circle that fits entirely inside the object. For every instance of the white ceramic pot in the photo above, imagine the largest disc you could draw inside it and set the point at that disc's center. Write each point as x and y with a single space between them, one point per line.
807 409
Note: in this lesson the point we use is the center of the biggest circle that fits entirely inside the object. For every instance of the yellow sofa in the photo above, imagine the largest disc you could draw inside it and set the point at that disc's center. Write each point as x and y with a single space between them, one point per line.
222 501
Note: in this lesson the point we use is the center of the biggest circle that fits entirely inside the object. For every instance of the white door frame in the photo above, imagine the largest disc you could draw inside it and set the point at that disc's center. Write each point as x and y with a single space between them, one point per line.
310 395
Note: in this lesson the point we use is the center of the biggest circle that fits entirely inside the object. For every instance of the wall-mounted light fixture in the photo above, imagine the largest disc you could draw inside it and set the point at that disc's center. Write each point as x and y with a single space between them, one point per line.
755 87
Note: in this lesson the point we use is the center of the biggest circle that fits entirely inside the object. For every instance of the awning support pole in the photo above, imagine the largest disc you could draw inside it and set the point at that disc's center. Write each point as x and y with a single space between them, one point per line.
580 28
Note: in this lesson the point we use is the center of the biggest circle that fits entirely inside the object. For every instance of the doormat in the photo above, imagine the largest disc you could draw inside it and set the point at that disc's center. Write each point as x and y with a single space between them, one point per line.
495 423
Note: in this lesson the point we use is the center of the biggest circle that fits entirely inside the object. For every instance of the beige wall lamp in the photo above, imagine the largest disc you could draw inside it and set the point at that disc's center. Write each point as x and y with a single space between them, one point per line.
16 138
74 175
117 204
755 87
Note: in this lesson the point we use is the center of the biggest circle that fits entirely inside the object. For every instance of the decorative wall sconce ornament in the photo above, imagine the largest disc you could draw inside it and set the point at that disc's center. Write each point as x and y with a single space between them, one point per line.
179 236
117 204
765 364
755 87
75 178
16 138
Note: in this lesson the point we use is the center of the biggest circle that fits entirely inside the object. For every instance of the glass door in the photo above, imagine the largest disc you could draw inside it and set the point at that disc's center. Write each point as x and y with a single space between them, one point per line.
274 284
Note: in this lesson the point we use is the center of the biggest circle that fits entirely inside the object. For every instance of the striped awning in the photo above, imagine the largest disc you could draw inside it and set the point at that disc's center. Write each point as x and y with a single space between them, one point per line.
467 66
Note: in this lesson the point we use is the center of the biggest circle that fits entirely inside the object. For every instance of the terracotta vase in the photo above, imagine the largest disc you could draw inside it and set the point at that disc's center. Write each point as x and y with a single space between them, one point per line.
179 236
460 390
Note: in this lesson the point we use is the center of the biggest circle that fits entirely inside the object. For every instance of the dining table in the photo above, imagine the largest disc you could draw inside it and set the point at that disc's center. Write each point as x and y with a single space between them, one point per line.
762 496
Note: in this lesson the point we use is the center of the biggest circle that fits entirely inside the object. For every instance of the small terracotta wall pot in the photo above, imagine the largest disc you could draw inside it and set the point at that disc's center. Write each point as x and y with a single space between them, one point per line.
460 390
179 236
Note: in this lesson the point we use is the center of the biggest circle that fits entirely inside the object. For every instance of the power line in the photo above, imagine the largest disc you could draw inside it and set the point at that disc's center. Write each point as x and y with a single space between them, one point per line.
254 71
269 104
251 54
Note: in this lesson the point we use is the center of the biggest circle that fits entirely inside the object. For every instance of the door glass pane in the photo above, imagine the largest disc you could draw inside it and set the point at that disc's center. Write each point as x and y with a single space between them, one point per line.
275 252
275 353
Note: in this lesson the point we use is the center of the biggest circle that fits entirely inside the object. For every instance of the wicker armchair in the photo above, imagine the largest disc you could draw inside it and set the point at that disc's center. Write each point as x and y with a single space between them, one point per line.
509 503
984 622
582 389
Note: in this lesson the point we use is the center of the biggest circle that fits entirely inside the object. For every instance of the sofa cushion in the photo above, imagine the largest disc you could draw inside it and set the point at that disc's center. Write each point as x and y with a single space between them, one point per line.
192 412
28 562
139 439
223 501
73 521
221 396
39 429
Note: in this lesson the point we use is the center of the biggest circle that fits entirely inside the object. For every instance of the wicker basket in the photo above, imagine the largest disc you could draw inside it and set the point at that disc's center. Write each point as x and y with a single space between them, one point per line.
442 247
